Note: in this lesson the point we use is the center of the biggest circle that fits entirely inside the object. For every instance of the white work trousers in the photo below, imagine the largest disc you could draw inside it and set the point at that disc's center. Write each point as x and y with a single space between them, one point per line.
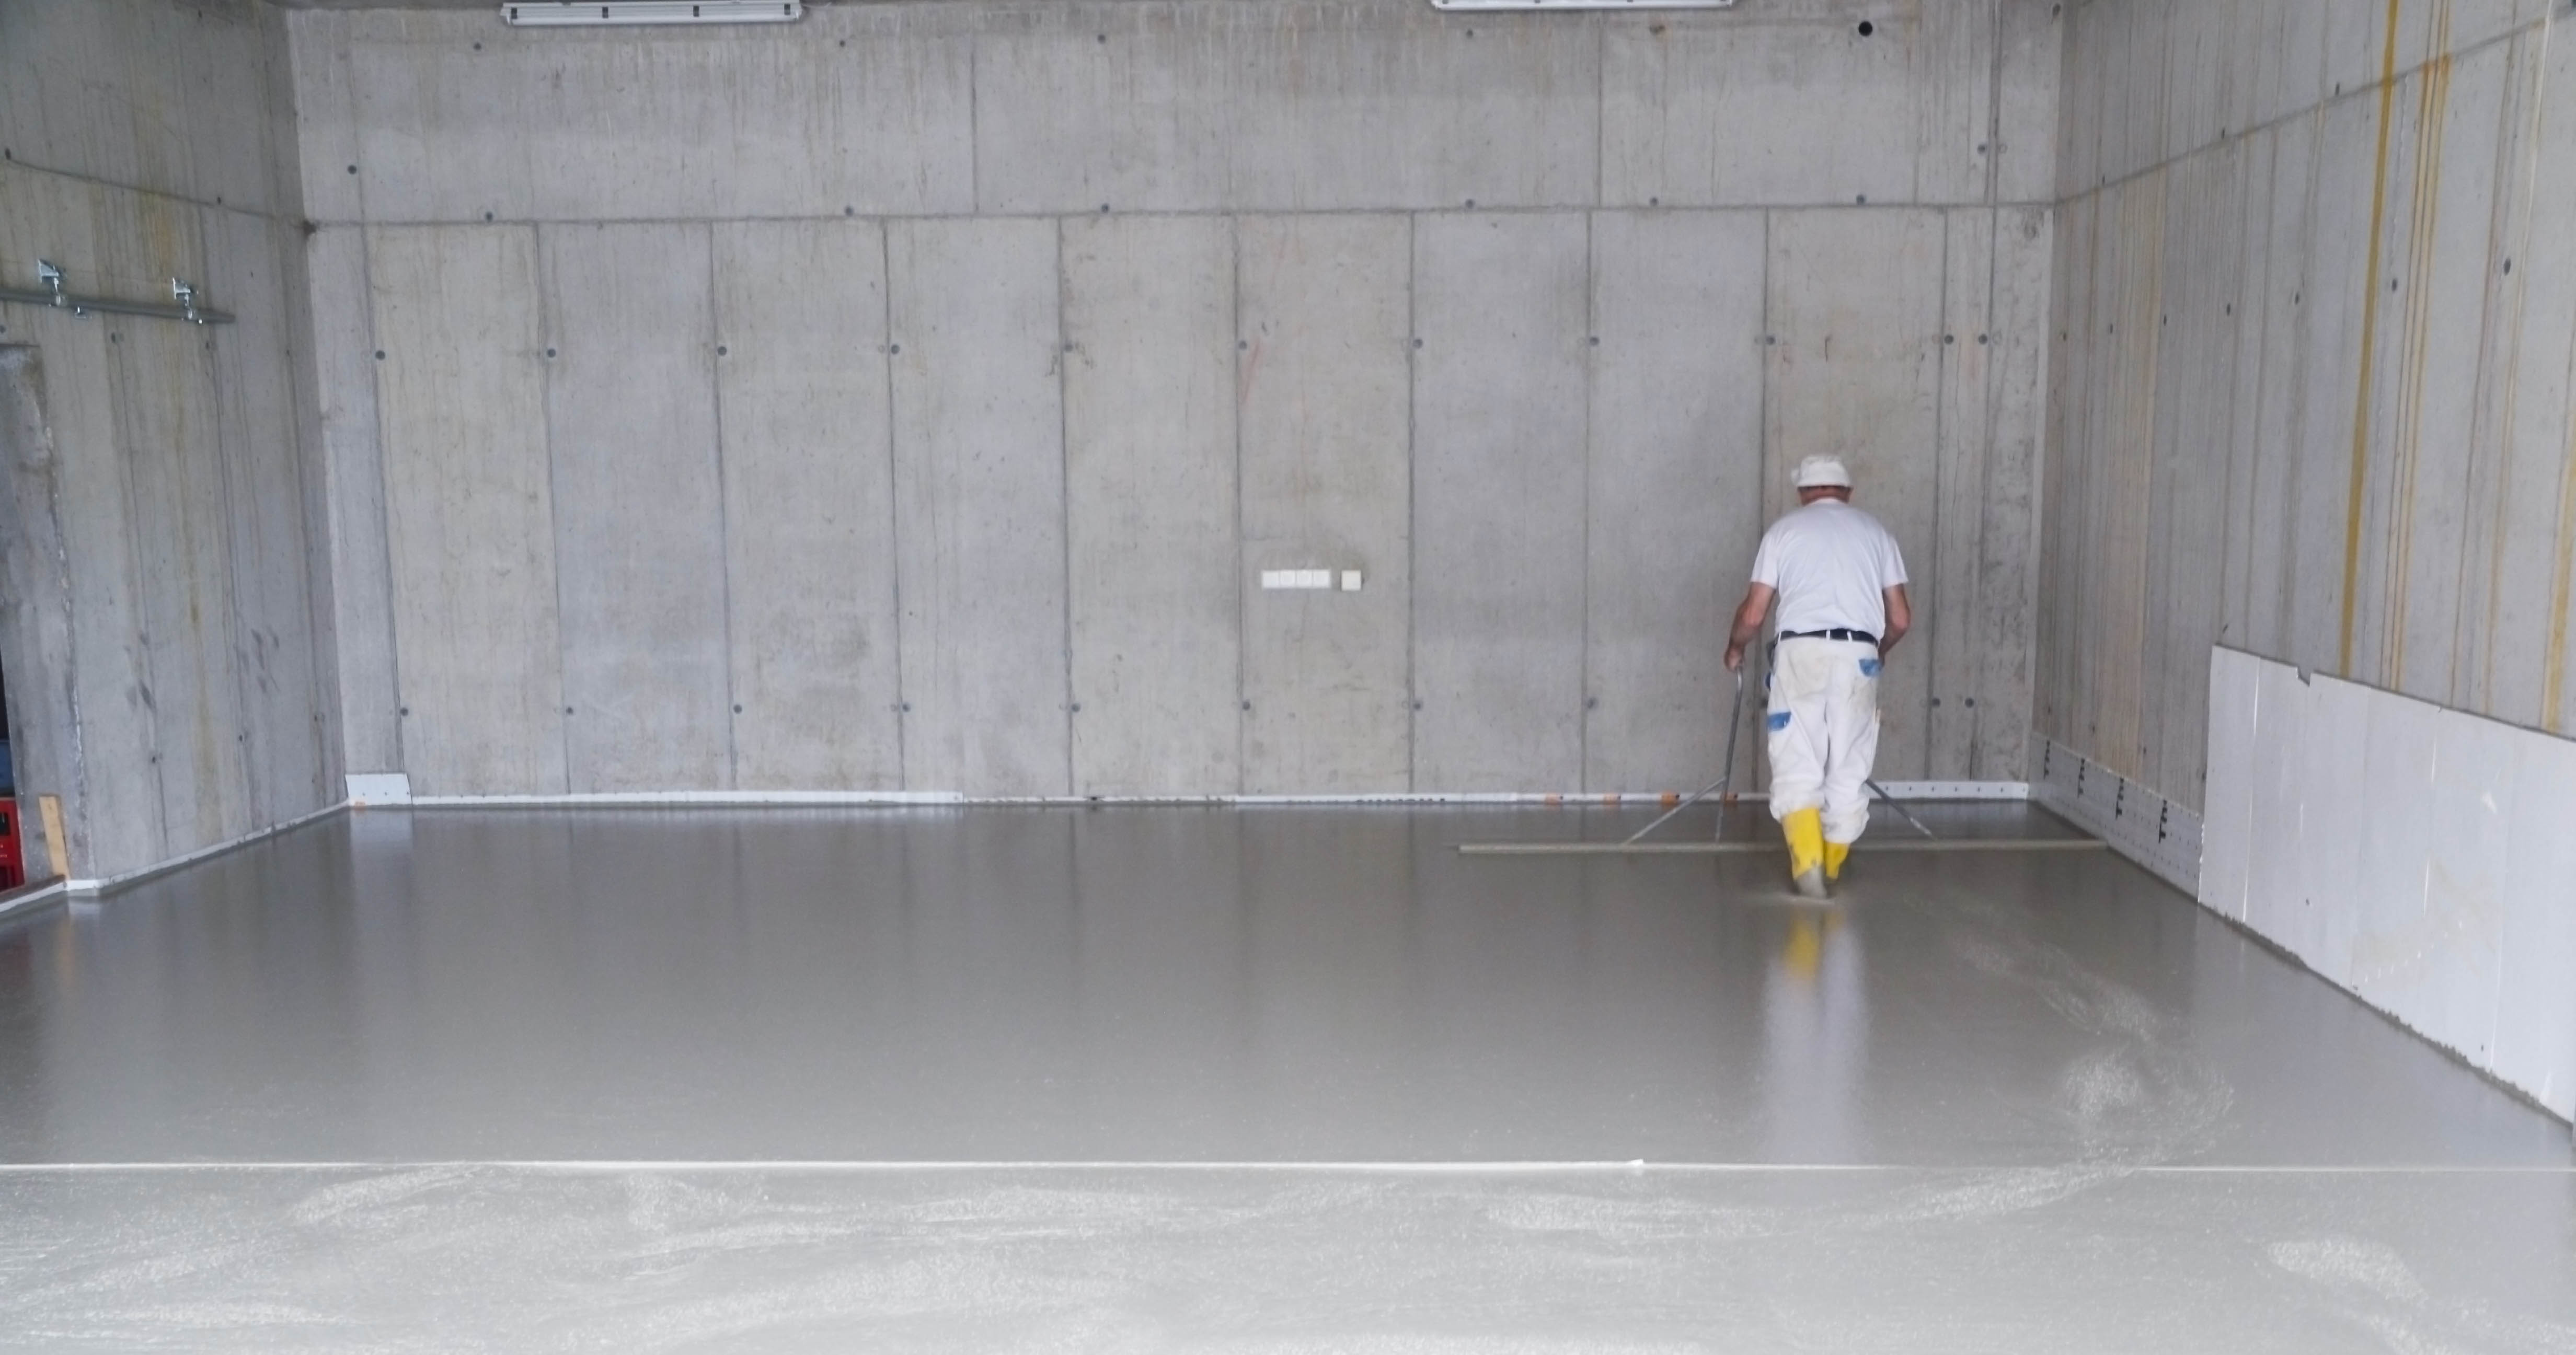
1824 731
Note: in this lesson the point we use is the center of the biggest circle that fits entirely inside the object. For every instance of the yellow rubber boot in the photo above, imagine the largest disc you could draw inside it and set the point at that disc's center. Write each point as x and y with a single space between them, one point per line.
1806 832
1835 854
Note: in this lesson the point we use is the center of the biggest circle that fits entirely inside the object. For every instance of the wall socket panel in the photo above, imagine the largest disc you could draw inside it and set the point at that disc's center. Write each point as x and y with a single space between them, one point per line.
1274 579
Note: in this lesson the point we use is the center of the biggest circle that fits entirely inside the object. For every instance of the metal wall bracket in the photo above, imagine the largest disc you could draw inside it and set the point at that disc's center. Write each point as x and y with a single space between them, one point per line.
53 296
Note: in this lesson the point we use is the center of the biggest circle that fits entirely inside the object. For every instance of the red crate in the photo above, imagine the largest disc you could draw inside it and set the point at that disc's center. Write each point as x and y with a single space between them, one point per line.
13 863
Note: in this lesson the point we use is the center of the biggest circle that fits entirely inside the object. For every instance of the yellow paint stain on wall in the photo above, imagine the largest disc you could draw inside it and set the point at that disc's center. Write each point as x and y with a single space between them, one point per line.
2562 593
2360 481
2415 348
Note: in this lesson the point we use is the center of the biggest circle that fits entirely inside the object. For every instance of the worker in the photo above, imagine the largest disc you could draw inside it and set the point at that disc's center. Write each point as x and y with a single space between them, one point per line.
1839 582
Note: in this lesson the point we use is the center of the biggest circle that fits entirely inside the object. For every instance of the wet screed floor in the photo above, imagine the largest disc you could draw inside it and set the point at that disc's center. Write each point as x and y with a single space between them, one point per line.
1269 1079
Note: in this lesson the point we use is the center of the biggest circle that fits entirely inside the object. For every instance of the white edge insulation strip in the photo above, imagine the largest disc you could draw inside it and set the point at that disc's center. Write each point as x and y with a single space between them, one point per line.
2416 856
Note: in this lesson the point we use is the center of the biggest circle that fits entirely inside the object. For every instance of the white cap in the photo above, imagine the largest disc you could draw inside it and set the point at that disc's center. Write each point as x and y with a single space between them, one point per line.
1823 472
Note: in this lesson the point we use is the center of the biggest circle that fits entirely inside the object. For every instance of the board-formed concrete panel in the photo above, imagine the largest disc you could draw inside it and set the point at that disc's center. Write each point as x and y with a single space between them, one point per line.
1151 504
460 118
1952 581
2293 72
2080 107
95 90
2281 405
361 579
191 713
1118 108
2134 139
2535 556
469 508
1955 61
326 115
1675 493
167 403
808 505
2336 299
1324 395
979 491
36 606
2449 280
2007 598
2200 38
2395 420
1340 105
2484 511
1855 309
2116 500
639 524
313 478
2374 610
263 477
1790 113
2196 370
444 132
114 822
2055 640
2245 415
1360 105
1500 305
2029 89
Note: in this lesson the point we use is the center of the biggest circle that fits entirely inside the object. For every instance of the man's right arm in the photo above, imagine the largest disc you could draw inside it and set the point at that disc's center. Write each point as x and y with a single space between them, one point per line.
1748 623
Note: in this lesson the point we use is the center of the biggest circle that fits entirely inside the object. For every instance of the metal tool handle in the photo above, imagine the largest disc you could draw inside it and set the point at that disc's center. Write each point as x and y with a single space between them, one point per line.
1734 723
1900 809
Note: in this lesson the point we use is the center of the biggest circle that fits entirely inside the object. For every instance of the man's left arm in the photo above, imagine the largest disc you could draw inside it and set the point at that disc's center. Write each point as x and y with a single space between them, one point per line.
1900 618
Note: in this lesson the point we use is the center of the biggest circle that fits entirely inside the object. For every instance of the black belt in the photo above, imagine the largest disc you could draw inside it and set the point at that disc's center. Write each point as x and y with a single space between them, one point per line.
1837 633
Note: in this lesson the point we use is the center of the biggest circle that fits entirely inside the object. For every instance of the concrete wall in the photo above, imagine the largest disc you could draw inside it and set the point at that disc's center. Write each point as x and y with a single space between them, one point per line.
2309 395
168 621
912 397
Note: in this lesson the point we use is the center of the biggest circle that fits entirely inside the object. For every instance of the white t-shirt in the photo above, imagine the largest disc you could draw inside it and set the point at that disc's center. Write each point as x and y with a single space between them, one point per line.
1832 564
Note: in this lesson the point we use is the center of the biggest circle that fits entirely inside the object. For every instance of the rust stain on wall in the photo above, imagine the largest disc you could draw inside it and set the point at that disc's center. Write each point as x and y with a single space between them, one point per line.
2359 483
2433 93
2562 592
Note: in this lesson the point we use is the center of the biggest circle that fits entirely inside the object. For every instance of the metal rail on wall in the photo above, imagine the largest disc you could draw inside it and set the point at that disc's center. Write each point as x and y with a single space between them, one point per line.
182 292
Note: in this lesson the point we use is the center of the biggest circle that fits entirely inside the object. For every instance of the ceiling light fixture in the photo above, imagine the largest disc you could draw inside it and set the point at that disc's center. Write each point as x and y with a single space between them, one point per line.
602 13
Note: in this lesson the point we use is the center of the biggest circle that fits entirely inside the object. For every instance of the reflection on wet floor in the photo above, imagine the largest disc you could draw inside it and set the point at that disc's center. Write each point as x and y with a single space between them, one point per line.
1815 1041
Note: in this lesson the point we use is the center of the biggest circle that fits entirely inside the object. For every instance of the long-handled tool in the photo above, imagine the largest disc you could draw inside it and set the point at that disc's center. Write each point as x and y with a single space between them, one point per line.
1900 809
1734 722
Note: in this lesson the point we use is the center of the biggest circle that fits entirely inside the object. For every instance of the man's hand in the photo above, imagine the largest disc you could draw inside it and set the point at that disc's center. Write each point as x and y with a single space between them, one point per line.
1735 658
